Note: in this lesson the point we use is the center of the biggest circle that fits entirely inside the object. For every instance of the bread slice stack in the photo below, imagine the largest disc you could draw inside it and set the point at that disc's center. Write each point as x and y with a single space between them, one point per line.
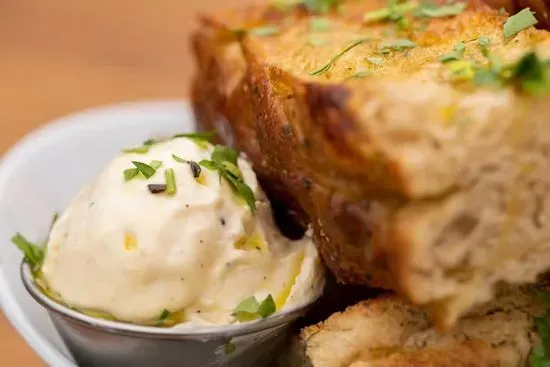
414 139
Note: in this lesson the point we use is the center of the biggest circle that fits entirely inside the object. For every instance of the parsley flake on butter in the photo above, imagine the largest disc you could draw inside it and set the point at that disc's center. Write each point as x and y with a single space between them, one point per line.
33 254
224 160
519 22
250 309
145 169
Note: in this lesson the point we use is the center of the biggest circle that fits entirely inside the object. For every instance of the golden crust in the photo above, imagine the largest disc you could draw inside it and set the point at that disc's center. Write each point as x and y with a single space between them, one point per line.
370 163
387 331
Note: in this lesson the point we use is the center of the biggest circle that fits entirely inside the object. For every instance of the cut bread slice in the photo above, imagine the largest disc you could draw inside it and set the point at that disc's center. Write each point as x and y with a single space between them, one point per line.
412 180
387 331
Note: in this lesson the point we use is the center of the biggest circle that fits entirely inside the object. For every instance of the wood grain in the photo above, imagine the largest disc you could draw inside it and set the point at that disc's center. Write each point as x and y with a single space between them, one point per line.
59 56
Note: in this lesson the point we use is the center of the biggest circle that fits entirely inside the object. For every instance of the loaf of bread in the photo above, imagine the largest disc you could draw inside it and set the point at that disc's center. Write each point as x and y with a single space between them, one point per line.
389 332
418 175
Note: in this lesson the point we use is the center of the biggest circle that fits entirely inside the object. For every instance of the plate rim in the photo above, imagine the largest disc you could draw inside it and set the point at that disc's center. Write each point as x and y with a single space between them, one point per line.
25 148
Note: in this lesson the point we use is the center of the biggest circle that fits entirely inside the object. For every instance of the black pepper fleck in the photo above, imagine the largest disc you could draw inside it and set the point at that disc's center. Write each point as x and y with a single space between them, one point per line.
201 241
156 188
222 221
195 168
187 205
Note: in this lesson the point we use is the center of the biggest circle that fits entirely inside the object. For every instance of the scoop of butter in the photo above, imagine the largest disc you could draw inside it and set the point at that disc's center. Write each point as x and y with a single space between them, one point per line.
162 232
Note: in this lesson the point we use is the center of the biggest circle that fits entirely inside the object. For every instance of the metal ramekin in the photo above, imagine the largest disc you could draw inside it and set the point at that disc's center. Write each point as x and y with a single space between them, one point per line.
101 343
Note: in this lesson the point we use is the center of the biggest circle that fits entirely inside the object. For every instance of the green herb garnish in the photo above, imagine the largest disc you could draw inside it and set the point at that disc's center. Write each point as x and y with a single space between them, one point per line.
392 12
224 160
179 159
428 10
518 22
330 64
34 254
320 6
200 138
229 347
155 164
531 74
138 150
130 173
163 316
250 309
170 179
145 169
401 44
455 54
222 154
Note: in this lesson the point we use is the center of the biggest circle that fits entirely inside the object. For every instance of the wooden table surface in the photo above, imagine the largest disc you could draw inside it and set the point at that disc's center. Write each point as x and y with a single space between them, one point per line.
59 56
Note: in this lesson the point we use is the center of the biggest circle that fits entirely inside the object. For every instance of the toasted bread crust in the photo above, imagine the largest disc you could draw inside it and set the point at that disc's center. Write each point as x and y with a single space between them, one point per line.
387 331
401 193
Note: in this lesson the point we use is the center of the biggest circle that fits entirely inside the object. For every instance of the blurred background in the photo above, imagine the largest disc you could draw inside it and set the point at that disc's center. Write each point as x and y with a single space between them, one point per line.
61 56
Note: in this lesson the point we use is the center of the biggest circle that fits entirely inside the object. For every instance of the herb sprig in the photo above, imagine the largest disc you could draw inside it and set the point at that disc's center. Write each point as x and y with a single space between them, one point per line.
323 69
518 22
250 309
224 160
34 254
200 138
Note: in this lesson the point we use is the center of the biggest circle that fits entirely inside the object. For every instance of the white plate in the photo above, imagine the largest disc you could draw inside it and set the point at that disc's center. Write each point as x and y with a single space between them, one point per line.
42 173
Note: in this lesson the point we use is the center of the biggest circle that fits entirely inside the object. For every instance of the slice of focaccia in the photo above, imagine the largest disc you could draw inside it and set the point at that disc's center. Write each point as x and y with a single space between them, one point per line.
417 143
388 331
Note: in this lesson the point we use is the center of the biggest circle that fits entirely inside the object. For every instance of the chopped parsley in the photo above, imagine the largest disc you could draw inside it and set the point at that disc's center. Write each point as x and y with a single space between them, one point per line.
320 6
145 169
428 10
138 150
250 309
455 54
518 22
323 69
149 169
33 254
200 138
144 148
170 178
314 6
393 12
401 44
163 316
229 347
531 74
179 159
224 160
